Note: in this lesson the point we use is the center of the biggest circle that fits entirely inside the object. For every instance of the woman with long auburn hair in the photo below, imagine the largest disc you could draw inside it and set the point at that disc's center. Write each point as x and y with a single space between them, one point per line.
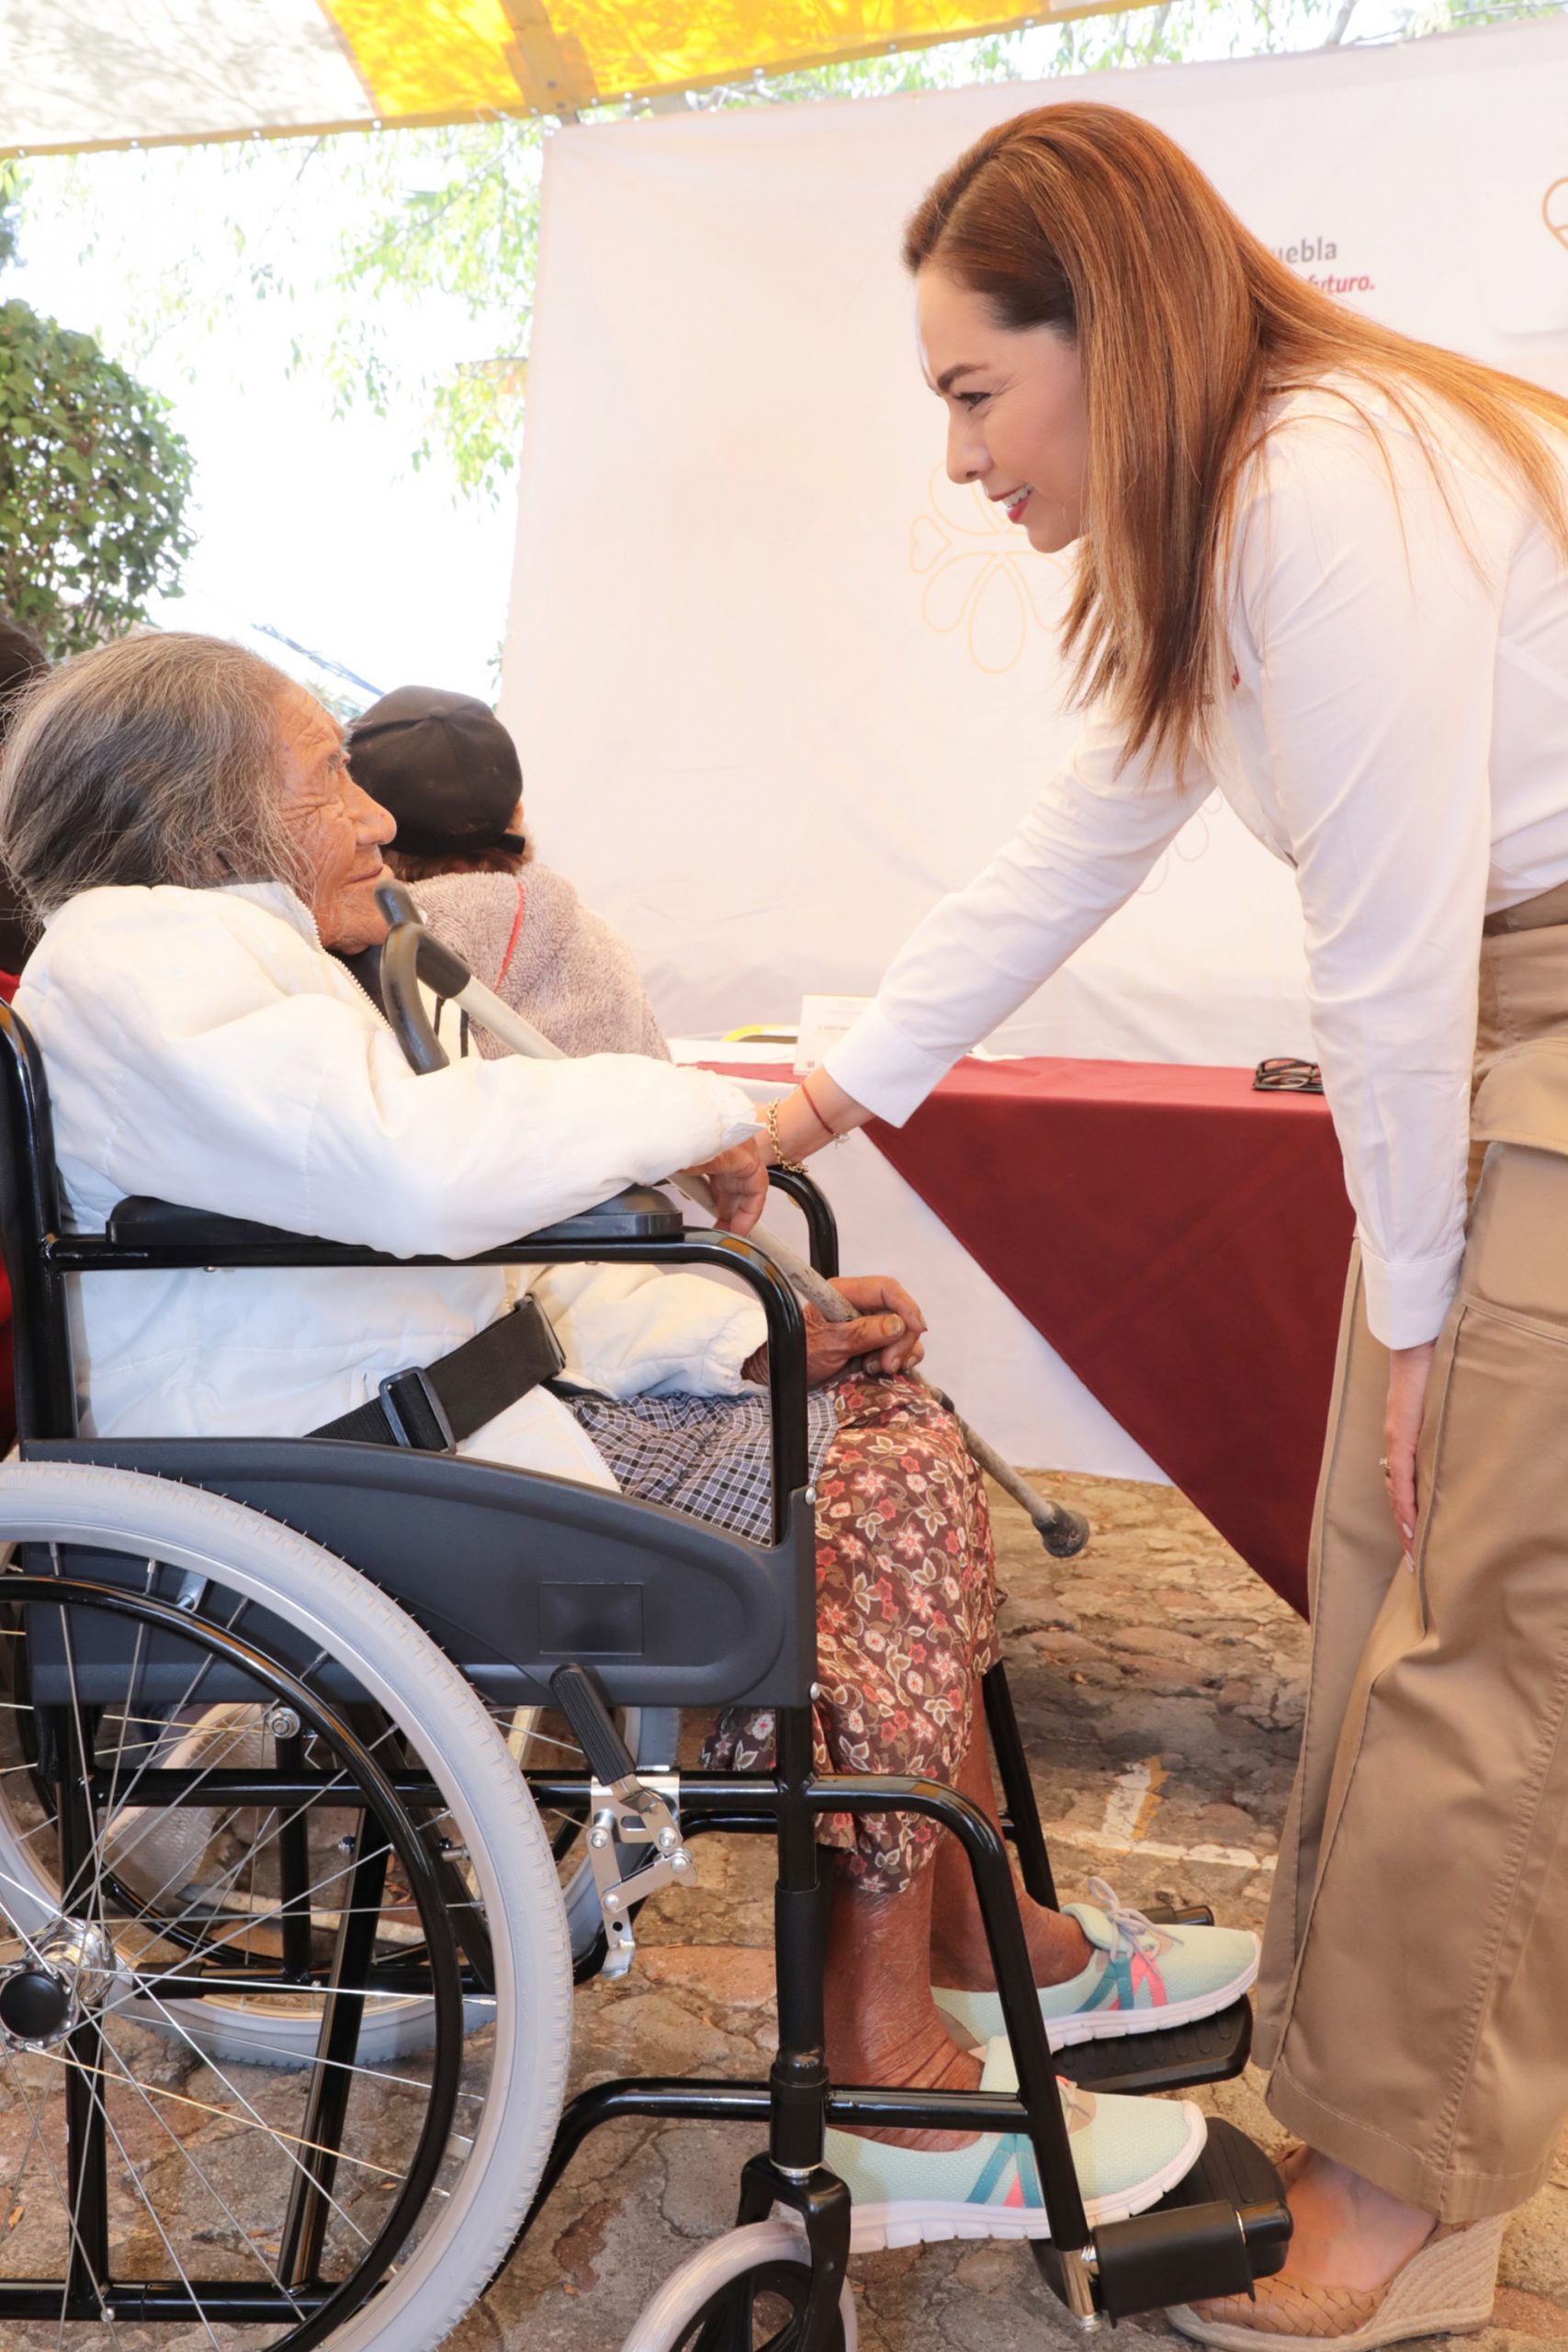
1324 569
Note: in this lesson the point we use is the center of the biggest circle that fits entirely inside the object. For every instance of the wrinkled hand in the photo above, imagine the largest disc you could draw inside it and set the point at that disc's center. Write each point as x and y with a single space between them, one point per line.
1409 1370
888 1332
738 1179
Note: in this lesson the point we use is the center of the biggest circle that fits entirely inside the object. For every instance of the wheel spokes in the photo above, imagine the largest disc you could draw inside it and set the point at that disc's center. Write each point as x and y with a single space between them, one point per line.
77 1811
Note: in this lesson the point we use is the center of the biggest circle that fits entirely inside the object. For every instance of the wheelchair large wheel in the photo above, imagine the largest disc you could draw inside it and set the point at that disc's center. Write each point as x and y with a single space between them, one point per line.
182 1846
742 2292
386 1851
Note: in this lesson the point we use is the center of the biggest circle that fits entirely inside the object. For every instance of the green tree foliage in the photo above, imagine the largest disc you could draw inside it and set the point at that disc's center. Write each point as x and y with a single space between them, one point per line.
10 213
93 480
344 249
449 216
357 238
93 487
456 216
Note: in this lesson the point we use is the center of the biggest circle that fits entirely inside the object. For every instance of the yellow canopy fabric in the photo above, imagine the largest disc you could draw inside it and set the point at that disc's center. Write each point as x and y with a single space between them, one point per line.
419 57
85 73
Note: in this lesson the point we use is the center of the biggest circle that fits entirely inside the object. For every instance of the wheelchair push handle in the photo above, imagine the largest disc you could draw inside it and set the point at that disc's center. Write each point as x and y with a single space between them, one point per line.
440 967
409 955
393 901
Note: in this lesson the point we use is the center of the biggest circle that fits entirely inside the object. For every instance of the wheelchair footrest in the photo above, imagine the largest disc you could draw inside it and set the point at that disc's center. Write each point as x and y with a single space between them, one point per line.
1222 2227
1209 2050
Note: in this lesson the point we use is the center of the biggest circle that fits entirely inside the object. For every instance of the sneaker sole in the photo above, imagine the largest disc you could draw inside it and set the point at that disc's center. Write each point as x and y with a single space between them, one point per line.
1105 2025
875 2228
1108 2025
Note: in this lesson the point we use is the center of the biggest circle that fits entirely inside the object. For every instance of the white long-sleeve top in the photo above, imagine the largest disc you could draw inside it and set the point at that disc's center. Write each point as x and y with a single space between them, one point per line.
1396 728
201 1046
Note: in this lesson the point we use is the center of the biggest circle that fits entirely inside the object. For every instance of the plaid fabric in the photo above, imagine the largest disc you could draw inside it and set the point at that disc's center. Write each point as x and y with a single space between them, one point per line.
906 1580
708 1456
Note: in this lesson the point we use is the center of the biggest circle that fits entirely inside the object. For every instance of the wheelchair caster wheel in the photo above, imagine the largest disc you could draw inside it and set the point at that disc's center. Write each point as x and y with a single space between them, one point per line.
744 2293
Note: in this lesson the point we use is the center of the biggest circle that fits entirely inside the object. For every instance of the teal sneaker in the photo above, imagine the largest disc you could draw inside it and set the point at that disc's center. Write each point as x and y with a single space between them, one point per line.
1141 1978
1127 2152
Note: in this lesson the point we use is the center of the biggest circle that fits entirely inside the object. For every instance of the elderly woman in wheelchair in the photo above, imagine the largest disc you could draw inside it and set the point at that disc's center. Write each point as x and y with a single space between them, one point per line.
185 821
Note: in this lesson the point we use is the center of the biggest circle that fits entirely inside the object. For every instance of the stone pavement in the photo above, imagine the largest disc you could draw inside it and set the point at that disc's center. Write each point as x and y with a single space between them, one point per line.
1160 1686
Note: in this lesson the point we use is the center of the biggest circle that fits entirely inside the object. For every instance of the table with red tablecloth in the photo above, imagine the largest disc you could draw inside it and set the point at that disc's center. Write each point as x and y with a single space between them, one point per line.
1181 1241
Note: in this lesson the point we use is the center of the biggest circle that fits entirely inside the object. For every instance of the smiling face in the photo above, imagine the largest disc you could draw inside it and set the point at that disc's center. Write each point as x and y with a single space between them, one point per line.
1017 419
337 830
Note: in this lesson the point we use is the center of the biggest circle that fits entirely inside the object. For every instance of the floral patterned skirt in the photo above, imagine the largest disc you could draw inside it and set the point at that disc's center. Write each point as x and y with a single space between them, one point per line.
906 1609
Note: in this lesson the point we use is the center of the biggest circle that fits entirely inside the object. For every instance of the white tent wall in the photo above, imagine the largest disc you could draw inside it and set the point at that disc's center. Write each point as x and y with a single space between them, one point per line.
776 684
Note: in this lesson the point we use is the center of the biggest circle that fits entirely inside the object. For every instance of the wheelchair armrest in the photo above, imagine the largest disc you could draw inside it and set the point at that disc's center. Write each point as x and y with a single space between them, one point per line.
640 1226
640 1213
821 1225
144 1222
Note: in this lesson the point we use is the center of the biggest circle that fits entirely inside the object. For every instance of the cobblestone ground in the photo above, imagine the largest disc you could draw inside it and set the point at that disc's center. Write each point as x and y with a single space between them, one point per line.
1160 1688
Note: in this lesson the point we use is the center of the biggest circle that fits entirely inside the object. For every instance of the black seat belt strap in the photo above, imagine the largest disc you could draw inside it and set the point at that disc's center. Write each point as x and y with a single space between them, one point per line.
432 1407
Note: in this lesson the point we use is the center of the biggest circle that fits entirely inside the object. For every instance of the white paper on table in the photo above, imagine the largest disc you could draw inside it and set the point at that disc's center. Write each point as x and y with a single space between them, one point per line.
823 1021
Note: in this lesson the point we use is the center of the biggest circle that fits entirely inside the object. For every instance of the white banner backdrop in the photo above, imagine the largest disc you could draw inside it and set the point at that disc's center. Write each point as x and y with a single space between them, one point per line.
776 683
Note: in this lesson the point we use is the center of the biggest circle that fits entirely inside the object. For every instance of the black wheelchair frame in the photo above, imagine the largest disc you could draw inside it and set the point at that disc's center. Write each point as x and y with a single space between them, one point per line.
565 1589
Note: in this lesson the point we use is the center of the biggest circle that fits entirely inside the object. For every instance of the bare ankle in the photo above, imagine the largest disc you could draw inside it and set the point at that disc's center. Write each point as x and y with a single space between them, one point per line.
1058 1950
934 2064
1348 2231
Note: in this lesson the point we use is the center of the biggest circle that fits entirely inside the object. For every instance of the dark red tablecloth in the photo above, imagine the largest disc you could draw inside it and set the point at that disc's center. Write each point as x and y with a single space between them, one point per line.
1181 1241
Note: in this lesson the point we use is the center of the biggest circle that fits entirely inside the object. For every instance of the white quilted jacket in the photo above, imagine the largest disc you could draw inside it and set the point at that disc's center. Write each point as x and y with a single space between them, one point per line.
200 1046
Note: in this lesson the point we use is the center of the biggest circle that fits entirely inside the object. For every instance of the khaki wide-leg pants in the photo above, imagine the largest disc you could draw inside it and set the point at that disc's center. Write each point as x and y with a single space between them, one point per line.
1413 2002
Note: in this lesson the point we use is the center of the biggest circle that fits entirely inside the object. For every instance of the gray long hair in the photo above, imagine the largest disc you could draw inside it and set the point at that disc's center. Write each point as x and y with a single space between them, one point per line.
153 759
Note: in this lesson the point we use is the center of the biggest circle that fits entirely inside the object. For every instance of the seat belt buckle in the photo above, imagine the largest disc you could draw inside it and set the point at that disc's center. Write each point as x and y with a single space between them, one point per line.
415 1414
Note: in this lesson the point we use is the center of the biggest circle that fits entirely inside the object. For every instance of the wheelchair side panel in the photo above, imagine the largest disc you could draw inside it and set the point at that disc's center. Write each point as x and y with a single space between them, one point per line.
514 1573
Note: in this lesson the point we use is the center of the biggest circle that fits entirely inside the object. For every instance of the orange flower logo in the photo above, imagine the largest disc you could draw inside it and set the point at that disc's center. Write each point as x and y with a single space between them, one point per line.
981 575
1554 210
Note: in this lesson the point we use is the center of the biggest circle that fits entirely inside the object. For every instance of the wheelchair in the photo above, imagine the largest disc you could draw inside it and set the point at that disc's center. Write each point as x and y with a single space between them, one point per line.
325 1768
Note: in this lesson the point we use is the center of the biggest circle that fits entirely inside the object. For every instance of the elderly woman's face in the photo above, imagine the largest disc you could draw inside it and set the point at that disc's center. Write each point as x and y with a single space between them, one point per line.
337 829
